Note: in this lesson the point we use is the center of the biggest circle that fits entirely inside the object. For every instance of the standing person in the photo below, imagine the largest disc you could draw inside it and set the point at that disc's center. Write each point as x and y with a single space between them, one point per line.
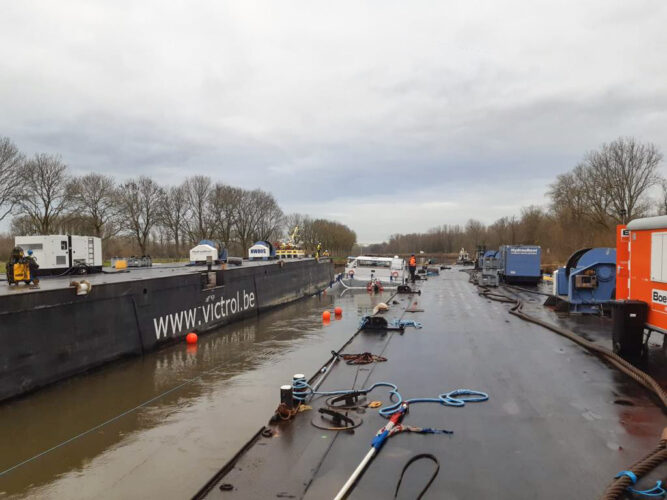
32 264
412 265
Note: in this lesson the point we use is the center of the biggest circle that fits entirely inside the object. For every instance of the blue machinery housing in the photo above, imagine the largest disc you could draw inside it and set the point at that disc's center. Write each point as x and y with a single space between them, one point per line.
520 263
588 280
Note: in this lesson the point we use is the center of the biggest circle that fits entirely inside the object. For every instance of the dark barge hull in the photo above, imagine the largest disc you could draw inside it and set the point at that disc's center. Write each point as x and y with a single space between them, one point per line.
559 422
51 333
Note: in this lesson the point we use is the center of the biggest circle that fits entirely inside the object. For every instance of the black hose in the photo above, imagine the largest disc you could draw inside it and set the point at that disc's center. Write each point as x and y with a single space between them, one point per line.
421 456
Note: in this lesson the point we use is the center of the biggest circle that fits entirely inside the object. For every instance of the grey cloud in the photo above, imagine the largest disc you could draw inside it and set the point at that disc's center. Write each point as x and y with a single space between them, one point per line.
342 109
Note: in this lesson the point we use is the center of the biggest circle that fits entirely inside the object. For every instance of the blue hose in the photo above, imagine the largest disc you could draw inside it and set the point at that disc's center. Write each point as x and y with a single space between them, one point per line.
458 397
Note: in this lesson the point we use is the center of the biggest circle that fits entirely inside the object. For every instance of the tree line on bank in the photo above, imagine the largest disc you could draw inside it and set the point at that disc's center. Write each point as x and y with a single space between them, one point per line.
140 216
616 183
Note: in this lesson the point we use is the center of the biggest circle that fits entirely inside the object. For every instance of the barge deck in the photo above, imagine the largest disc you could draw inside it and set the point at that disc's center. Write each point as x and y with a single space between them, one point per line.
110 276
559 423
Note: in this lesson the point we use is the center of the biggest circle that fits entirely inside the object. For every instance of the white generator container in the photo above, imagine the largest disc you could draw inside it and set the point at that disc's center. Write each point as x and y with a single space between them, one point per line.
58 253
201 253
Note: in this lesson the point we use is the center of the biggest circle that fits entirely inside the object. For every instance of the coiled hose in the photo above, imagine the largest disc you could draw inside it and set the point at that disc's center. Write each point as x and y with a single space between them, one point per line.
650 461
640 468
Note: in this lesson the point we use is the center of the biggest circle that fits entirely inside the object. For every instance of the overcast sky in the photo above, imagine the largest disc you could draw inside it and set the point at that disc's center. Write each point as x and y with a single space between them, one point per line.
387 116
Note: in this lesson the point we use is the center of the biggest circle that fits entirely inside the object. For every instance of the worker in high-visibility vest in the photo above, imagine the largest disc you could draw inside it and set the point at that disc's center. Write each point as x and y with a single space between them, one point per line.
412 266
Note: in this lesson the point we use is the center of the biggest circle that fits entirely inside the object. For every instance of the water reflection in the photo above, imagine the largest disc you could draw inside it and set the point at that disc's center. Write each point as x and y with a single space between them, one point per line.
238 364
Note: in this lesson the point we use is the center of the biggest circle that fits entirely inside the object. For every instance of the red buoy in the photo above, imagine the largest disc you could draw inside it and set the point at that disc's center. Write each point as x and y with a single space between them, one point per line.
326 315
338 310
191 338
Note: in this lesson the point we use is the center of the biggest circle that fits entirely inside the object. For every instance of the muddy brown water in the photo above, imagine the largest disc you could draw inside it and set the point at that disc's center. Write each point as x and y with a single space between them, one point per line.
222 392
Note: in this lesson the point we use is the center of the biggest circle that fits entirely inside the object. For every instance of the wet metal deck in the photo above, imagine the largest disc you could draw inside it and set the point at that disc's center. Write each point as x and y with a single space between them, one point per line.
552 427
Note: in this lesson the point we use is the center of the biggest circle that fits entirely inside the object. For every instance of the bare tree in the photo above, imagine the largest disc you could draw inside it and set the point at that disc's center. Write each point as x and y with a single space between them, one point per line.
270 219
173 213
568 197
140 204
532 218
476 230
222 205
198 192
610 182
11 164
257 216
631 170
45 197
95 197
662 202
590 185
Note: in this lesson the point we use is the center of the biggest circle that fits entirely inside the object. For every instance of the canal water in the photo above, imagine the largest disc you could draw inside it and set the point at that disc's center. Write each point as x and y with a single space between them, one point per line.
196 407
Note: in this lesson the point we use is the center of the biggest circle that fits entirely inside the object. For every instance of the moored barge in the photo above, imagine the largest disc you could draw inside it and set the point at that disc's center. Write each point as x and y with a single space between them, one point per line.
53 332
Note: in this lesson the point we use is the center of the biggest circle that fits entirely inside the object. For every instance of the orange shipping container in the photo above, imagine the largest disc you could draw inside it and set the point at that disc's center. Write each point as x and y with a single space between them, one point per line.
647 266
622 258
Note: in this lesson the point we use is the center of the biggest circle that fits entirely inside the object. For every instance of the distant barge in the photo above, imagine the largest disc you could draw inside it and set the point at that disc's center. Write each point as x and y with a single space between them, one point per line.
51 333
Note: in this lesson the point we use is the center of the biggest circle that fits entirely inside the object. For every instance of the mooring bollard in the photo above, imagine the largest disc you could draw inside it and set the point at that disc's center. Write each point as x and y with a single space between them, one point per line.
286 396
299 387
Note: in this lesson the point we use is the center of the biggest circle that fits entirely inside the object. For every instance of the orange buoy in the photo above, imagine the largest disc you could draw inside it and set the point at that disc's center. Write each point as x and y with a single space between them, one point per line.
326 315
338 310
191 338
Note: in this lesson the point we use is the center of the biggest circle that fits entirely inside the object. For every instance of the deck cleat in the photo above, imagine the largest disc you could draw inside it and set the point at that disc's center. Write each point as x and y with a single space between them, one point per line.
349 401
331 420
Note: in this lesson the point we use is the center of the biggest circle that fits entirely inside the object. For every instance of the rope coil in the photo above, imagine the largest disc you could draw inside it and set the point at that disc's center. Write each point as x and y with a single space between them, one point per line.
363 358
458 397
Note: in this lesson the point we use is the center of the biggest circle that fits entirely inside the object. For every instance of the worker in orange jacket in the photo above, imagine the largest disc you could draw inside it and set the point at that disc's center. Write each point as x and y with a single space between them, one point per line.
412 266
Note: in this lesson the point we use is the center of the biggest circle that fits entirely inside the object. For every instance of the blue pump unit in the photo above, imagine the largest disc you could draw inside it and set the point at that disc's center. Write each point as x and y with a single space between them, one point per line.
520 263
479 257
488 253
490 268
588 280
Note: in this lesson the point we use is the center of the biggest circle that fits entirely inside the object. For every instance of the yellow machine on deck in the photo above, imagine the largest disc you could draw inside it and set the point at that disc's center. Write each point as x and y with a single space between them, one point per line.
19 268
291 249
21 272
